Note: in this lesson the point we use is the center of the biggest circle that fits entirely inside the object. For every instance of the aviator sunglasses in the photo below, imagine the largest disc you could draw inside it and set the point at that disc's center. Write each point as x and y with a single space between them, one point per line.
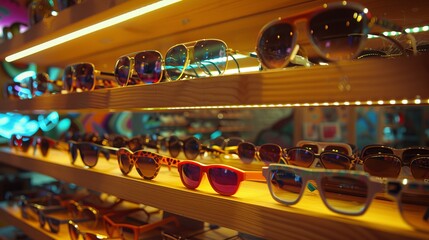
337 31
384 161
82 77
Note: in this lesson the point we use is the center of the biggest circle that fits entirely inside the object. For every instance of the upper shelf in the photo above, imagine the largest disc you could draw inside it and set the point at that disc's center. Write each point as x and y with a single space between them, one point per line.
237 22
361 82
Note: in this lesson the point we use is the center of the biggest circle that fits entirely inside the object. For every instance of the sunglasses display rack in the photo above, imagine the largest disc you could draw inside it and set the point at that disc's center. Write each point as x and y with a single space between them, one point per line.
396 81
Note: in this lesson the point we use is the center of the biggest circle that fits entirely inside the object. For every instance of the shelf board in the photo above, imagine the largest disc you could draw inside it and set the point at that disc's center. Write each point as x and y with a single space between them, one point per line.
248 211
372 79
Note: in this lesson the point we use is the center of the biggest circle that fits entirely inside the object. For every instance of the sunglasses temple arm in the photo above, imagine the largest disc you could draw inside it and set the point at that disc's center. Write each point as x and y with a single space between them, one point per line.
169 162
394 27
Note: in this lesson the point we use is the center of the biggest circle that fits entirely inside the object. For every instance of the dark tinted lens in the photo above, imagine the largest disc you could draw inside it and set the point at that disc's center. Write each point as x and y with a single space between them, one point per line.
191 147
275 45
246 152
300 157
175 61
223 181
44 146
54 224
147 167
148 66
73 231
68 78
134 144
122 70
26 143
371 150
415 204
73 152
210 57
420 167
124 163
190 175
382 165
409 154
89 154
119 141
338 33
286 186
174 146
85 78
270 153
311 147
332 160
344 194
337 149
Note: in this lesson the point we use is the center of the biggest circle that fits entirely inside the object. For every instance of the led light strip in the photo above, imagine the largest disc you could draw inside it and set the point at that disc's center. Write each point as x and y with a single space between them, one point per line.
90 29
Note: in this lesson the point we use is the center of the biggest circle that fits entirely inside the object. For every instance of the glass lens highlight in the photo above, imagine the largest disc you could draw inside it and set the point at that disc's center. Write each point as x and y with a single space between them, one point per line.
223 181
286 186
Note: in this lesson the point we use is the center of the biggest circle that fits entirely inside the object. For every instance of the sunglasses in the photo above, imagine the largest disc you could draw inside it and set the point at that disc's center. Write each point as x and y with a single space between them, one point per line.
135 143
147 163
76 234
191 147
81 77
342 191
337 31
89 152
224 179
131 223
304 157
138 68
384 161
267 153
23 143
413 201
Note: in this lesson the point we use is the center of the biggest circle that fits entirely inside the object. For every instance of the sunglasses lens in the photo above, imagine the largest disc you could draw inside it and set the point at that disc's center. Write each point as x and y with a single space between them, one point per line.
191 148
73 152
286 186
338 33
119 142
270 153
334 161
382 165
73 232
420 168
223 181
409 154
54 224
275 45
210 57
89 154
134 144
337 149
68 78
300 157
174 146
246 152
44 146
344 194
85 76
190 175
90 218
375 150
175 61
124 163
147 167
122 70
311 147
148 66
414 202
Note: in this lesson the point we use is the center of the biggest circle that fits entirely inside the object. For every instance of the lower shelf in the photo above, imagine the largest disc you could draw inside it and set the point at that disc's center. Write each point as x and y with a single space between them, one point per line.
251 210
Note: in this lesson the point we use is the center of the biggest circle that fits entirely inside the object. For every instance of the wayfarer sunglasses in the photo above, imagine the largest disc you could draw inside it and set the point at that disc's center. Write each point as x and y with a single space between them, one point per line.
267 153
337 31
385 161
82 77
224 179
89 152
191 147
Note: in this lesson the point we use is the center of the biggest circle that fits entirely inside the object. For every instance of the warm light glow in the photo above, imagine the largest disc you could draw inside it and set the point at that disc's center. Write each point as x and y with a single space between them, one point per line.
404 181
392 102
417 101
90 29
404 101
380 102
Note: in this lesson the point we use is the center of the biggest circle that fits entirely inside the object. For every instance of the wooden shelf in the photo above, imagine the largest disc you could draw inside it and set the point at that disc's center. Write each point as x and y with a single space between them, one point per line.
251 210
381 79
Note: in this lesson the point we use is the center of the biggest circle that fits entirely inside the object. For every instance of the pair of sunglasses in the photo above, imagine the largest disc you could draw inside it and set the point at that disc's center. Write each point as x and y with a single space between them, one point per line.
224 179
147 163
130 224
337 31
23 143
201 58
191 147
385 161
76 234
267 153
89 152
82 77
135 143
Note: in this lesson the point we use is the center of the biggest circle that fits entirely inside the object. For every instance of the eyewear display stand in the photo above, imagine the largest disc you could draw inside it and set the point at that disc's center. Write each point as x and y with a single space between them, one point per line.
399 81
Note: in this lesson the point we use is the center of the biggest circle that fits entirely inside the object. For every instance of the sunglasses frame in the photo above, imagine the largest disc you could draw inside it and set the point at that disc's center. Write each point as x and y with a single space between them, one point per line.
257 154
72 226
311 174
202 148
204 169
351 149
394 151
74 82
105 150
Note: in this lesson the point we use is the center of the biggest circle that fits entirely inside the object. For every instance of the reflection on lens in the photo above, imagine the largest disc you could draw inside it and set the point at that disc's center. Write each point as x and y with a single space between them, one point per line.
270 153
300 157
146 167
344 194
339 33
246 152
337 149
191 147
148 66
420 167
89 154
122 70
286 186
334 161
190 175
223 181
85 78
415 205
73 231
383 165
311 147
275 45
210 58
175 61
